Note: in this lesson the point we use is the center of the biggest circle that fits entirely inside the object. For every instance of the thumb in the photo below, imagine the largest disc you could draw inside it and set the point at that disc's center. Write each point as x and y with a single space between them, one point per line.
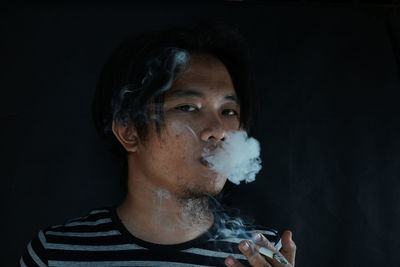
288 249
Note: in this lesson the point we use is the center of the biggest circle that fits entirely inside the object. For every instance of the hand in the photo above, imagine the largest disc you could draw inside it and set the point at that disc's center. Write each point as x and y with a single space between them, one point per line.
248 249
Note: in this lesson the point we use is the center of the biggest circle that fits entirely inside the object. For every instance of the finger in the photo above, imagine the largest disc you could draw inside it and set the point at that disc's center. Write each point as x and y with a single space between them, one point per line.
288 249
262 241
254 258
232 262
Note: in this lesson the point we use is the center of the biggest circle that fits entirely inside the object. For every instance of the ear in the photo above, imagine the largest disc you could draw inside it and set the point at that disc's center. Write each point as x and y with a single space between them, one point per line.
126 135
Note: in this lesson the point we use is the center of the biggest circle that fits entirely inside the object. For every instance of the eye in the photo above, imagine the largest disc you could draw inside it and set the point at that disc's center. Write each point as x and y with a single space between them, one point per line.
229 112
187 108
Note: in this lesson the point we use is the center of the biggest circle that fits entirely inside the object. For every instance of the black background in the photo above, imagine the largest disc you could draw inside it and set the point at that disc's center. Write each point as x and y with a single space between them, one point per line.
329 127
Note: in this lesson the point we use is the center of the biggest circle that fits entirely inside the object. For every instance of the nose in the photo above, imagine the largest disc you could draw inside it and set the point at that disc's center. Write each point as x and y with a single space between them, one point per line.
214 132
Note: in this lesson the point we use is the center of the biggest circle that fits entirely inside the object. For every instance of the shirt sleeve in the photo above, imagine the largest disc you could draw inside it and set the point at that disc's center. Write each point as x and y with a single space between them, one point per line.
35 252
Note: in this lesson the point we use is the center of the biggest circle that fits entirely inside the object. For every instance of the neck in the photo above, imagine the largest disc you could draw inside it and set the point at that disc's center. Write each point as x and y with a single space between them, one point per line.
155 215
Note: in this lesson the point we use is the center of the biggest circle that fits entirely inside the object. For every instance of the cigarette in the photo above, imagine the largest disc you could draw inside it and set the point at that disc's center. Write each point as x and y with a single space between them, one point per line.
270 254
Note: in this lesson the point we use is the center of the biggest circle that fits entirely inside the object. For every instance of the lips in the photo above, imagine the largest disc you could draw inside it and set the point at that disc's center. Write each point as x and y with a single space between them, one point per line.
209 151
205 162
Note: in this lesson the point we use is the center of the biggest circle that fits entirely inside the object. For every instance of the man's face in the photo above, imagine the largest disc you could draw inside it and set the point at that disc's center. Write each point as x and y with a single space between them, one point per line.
200 108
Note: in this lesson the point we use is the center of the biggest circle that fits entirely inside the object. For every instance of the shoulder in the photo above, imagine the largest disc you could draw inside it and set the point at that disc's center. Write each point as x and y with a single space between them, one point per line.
97 222
35 252
94 219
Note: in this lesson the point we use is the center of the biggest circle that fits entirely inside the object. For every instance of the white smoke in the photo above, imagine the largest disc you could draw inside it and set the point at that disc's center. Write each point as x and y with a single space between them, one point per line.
238 158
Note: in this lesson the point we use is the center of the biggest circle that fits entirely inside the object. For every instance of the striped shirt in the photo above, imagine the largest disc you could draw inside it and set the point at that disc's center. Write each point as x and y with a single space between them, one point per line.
100 239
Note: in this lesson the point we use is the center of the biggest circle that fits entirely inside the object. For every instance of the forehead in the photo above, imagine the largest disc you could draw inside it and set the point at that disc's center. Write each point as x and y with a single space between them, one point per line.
206 74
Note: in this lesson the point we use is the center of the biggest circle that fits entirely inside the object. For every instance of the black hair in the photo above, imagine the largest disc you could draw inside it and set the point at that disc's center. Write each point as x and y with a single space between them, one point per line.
133 81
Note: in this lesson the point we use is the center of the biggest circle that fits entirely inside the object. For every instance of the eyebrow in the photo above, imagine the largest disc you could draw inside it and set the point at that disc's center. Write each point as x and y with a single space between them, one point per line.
191 93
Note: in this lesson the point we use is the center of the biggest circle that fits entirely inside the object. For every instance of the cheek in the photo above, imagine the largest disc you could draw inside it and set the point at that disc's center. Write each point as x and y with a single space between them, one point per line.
186 147
234 123
182 132
178 144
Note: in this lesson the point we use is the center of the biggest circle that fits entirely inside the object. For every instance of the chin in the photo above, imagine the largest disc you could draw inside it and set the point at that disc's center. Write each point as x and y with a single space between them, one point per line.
211 185
216 187
198 191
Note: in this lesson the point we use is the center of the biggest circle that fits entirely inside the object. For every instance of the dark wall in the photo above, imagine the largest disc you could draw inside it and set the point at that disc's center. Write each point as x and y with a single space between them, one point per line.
329 126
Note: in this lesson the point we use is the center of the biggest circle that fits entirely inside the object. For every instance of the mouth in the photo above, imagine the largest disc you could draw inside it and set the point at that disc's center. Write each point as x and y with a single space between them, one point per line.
204 162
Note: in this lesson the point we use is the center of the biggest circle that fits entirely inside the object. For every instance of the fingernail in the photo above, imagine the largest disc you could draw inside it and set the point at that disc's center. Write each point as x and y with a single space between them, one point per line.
246 246
230 261
256 237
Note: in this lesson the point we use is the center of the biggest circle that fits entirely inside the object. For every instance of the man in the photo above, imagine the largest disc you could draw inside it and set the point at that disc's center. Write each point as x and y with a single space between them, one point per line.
162 99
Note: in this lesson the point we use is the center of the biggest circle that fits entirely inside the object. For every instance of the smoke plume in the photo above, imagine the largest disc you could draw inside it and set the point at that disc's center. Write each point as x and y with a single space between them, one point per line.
238 158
